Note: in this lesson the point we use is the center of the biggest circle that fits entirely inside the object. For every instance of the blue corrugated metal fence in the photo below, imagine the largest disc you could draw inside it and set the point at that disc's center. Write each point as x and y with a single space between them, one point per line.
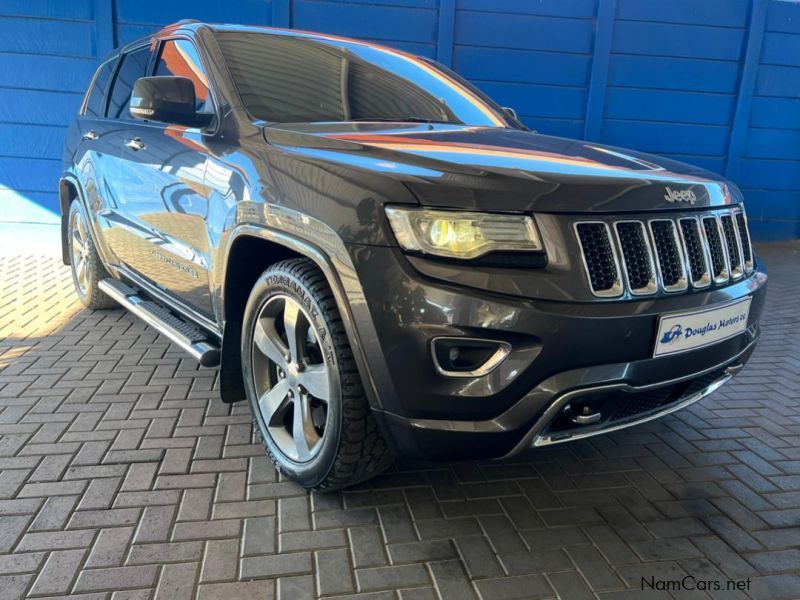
711 82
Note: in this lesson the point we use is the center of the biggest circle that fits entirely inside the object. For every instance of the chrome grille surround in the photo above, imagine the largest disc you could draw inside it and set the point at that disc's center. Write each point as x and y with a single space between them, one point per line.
697 253
734 246
615 287
670 258
645 256
667 254
744 237
712 229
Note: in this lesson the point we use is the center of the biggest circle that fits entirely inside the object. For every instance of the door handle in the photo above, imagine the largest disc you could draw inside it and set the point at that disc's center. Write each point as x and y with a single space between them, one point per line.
91 135
135 144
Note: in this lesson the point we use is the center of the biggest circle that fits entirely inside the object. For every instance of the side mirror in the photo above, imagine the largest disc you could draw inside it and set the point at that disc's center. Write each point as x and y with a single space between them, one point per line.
511 112
167 100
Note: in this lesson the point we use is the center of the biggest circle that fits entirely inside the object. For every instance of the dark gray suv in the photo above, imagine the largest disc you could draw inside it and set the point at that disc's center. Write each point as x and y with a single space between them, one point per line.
382 261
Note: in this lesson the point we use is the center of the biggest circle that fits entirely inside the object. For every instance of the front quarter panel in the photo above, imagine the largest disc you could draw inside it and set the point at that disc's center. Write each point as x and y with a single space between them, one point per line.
259 191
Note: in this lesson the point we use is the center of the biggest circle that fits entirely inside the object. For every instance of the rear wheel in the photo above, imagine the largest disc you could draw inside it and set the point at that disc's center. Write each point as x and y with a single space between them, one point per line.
302 383
87 268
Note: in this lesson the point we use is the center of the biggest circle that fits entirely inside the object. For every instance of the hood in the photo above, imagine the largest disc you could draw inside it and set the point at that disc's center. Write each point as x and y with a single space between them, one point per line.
482 168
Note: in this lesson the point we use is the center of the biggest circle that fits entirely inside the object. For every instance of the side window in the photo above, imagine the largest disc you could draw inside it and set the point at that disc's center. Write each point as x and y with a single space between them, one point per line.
179 58
95 102
134 66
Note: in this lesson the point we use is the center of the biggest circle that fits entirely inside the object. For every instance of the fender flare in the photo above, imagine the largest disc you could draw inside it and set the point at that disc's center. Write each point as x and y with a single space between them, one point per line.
340 274
73 180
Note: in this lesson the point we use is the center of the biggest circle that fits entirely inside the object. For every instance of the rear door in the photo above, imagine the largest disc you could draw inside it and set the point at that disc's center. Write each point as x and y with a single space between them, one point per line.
91 146
160 227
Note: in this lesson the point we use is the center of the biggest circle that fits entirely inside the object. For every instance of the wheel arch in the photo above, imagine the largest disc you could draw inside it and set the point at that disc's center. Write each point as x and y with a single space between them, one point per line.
237 283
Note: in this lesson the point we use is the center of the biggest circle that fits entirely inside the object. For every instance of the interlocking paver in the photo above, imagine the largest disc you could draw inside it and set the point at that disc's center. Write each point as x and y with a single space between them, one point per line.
123 477
114 578
58 572
177 582
221 560
110 548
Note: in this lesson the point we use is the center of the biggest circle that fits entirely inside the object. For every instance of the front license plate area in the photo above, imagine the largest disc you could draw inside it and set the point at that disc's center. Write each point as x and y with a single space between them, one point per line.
683 332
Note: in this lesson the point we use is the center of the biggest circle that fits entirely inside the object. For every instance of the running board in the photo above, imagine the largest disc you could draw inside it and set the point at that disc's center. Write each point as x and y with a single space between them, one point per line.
190 338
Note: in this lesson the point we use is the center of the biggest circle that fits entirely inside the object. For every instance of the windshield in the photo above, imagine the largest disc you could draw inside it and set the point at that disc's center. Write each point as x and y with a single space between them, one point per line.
285 78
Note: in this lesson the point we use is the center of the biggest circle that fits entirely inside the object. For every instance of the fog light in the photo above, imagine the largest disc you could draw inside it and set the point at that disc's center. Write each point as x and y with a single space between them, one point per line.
468 357
454 353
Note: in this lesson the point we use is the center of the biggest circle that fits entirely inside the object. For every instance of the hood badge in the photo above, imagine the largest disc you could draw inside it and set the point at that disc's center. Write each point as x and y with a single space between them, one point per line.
680 196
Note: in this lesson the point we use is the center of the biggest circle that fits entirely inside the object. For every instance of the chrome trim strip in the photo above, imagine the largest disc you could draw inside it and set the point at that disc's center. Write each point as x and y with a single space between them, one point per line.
724 242
683 281
749 265
724 276
615 290
545 440
738 272
652 285
203 352
705 280
553 407
499 355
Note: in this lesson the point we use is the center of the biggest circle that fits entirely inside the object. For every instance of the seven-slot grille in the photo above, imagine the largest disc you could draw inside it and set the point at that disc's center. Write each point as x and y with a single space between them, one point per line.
665 254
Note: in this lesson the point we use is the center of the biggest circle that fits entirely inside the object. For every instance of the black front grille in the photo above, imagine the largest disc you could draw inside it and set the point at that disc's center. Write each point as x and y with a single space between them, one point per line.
694 249
599 256
633 241
733 246
715 246
744 235
668 253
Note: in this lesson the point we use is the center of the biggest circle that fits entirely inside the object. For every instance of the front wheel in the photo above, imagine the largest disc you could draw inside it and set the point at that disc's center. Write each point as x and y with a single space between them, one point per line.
302 383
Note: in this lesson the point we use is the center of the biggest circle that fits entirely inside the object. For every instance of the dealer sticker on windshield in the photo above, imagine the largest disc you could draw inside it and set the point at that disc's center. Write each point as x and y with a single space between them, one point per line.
688 331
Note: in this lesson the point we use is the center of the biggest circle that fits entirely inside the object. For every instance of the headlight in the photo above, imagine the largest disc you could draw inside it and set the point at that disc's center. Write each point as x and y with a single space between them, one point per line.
462 234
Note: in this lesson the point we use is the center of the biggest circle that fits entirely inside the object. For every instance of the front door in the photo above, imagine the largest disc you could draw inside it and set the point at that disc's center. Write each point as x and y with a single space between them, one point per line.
159 230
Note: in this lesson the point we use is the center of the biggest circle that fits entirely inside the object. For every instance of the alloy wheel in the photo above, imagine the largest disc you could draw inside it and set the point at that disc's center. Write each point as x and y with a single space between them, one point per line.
291 377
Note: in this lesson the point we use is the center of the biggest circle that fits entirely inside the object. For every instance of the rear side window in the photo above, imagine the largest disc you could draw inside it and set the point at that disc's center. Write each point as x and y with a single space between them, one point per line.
179 58
134 65
95 103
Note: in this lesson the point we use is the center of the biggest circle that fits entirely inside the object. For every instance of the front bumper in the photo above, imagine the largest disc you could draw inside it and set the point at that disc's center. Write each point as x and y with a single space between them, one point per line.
559 350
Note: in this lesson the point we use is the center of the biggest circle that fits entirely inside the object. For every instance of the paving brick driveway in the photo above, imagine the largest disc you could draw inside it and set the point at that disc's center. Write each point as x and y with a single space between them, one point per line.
122 476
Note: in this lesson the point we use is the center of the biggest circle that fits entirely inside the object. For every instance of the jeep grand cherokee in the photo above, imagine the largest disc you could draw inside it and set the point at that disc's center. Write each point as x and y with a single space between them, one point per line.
383 261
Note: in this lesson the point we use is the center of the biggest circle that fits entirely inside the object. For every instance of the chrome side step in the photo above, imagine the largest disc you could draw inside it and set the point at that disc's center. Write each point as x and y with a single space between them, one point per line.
190 338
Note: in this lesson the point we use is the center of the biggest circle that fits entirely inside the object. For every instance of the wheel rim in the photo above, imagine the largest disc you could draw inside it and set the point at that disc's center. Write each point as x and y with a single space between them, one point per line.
291 377
79 244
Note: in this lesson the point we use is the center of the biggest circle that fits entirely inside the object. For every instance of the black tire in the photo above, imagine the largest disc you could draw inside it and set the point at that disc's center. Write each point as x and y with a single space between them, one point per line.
352 448
93 270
